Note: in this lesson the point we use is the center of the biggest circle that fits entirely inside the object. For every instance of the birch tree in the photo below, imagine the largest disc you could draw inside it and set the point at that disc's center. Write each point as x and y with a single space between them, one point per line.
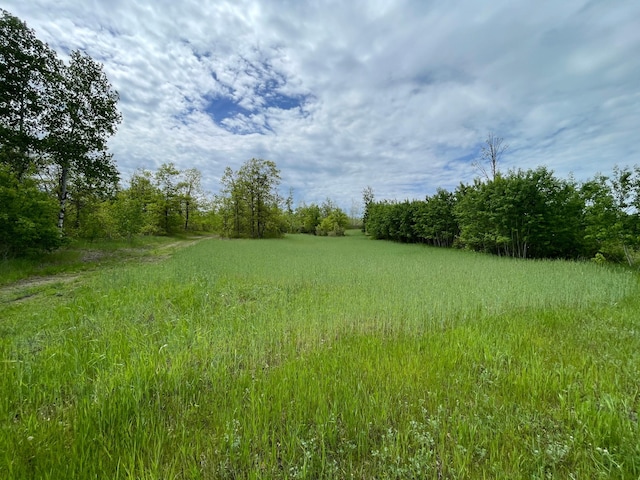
83 117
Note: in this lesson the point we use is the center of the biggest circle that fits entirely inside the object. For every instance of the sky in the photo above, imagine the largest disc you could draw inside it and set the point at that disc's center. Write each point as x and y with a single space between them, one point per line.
395 95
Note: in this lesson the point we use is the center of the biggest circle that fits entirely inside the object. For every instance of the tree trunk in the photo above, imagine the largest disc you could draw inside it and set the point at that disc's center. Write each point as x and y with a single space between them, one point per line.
186 216
627 254
62 197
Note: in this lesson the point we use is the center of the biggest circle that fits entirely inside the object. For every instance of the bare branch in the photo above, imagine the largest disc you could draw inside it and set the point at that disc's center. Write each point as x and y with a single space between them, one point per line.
492 151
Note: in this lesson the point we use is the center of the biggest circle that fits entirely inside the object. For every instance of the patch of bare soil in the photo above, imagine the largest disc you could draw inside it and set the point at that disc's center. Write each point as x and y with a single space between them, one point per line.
28 287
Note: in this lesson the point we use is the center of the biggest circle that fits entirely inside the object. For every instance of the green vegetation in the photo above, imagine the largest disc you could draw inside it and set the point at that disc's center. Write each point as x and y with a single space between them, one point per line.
304 357
523 214
55 118
249 203
80 255
313 357
324 220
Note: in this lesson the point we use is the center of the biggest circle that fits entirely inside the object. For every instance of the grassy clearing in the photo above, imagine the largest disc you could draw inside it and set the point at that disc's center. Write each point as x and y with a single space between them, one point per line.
324 358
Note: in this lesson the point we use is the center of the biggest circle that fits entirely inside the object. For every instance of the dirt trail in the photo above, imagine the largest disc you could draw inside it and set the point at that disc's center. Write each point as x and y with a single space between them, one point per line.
26 288
23 289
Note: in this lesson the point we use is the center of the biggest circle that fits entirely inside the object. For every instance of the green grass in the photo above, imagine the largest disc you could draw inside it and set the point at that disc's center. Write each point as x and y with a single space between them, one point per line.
324 358
81 255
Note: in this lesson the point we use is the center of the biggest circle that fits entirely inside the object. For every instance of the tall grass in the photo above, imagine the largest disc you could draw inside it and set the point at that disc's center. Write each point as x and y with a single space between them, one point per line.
324 358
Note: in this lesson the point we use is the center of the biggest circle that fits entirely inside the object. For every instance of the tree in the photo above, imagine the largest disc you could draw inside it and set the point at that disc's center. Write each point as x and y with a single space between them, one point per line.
611 219
334 224
249 202
626 191
128 214
367 199
167 181
522 214
55 120
83 118
290 216
190 193
309 217
27 75
379 221
86 193
145 196
491 152
333 220
434 219
231 205
259 180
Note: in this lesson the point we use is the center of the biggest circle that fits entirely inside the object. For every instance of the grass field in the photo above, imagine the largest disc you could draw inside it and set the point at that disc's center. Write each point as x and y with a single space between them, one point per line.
322 358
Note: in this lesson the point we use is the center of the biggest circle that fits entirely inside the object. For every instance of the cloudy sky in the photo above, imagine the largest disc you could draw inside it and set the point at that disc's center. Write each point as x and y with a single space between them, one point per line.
398 95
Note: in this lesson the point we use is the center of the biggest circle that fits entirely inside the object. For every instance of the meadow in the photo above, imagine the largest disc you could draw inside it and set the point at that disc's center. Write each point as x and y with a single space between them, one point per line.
309 357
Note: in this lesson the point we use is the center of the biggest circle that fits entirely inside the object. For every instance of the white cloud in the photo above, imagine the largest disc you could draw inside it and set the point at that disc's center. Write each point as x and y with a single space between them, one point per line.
394 94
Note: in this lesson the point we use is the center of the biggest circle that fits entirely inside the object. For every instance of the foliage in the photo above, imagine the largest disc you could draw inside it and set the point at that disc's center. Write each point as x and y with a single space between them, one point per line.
522 214
191 196
144 196
83 118
334 220
431 221
435 222
27 72
525 214
309 217
55 120
27 217
611 214
168 201
249 203
324 220
334 224
367 199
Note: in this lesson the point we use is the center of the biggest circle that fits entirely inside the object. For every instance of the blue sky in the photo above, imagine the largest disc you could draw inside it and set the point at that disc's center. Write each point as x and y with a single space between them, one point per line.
398 95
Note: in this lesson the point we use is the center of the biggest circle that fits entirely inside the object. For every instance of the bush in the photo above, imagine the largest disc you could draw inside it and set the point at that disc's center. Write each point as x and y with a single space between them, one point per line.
333 225
28 217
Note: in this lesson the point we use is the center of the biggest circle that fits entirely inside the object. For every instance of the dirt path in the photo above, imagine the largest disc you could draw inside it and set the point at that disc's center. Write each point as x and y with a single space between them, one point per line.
28 287
32 286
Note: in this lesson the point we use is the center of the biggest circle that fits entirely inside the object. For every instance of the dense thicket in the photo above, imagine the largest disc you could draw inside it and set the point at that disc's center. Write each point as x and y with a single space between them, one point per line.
163 202
526 214
27 216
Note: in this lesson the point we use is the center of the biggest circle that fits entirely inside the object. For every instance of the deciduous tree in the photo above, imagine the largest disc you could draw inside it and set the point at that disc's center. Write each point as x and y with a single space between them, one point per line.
490 155
28 73
367 199
249 201
83 118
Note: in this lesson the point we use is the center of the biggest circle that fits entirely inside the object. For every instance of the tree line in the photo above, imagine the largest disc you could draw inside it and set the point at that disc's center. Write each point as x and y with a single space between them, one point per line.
58 180
250 205
524 214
